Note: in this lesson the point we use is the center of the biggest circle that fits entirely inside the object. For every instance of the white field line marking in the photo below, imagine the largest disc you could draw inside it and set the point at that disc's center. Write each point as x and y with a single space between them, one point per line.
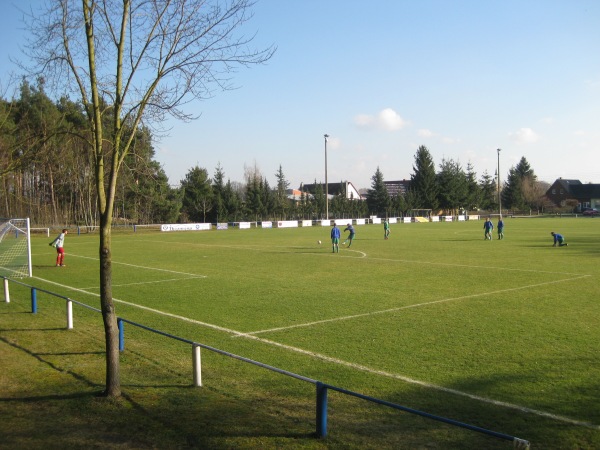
365 256
146 282
349 364
116 300
468 266
192 275
428 385
417 305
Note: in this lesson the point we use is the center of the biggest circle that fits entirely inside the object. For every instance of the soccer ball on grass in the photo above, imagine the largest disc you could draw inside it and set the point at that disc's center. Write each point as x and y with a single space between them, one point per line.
319 242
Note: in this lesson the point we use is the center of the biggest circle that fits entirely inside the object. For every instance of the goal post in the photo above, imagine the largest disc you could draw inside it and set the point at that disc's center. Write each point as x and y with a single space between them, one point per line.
15 248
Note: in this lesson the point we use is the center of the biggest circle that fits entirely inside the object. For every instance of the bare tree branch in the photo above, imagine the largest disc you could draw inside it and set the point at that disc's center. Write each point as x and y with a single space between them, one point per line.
133 62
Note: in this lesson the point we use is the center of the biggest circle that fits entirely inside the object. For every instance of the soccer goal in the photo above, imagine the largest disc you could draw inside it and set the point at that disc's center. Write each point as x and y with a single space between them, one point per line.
15 248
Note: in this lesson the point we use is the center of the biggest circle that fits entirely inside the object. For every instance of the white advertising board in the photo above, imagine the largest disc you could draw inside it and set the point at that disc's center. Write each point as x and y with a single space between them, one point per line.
185 227
287 224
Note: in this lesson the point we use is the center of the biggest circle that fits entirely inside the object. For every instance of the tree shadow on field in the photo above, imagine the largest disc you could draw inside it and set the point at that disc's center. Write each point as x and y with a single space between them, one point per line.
71 353
147 415
39 357
28 330
42 398
15 312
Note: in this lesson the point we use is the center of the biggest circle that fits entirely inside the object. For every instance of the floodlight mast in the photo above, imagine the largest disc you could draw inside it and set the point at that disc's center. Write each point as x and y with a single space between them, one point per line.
326 183
499 197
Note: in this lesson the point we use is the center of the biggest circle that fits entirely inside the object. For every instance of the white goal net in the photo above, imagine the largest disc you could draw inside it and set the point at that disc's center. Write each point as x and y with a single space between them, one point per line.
15 248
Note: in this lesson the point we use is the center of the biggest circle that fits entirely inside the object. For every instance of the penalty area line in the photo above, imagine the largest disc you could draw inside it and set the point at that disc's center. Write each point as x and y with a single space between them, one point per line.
417 305
145 308
191 275
146 282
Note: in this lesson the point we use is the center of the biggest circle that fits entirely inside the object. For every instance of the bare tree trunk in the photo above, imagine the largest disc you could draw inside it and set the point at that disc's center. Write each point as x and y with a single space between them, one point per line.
109 315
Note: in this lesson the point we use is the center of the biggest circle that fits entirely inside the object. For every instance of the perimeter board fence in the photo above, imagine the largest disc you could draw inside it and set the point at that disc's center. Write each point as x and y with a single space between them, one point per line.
322 389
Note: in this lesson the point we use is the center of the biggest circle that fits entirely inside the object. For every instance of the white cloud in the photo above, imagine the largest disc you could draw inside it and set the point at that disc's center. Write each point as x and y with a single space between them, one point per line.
390 120
387 119
425 133
524 136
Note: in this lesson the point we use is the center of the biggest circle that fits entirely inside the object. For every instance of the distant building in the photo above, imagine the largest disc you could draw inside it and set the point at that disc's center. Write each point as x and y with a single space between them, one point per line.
344 188
296 194
586 195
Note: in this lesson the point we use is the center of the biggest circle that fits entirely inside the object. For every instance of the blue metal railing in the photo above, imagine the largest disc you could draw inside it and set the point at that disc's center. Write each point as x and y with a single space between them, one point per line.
322 389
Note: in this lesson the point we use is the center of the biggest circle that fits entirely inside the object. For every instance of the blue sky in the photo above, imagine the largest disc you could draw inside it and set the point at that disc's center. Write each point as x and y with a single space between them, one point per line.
381 78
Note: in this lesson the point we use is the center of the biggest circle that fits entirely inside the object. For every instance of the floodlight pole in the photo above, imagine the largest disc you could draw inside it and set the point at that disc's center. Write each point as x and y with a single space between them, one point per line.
499 197
326 184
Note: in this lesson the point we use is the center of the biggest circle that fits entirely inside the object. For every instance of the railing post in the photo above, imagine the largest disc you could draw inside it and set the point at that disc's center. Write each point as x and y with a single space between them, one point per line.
6 292
321 410
121 335
69 314
197 365
33 300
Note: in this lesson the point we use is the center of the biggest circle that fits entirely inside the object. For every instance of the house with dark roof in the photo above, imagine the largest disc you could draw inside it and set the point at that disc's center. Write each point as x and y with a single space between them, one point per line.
562 191
345 188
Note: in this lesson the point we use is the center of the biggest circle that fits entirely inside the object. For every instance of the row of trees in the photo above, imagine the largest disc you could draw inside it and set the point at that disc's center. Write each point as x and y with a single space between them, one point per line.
452 189
45 175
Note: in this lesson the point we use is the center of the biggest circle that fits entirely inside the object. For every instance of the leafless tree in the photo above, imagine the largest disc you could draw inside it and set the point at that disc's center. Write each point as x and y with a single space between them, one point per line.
534 192
133 62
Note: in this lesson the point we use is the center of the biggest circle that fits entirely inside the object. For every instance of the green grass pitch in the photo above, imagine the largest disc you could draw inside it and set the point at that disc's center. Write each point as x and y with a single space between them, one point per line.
502 334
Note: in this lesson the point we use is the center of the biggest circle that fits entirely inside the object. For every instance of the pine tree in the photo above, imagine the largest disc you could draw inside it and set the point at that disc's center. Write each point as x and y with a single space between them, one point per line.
197 194
453 189
253 202
489 197
281 201
220 209
512 194
474 194
233 203
423 182
521 180
378 198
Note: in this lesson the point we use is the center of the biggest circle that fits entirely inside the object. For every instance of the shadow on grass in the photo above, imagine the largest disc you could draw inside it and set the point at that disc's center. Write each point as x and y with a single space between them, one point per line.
145 416
43 398
38 356
27 330
71 353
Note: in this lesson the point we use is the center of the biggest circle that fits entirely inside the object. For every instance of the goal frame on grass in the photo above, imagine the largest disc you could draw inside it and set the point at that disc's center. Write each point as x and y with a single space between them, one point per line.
15 248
